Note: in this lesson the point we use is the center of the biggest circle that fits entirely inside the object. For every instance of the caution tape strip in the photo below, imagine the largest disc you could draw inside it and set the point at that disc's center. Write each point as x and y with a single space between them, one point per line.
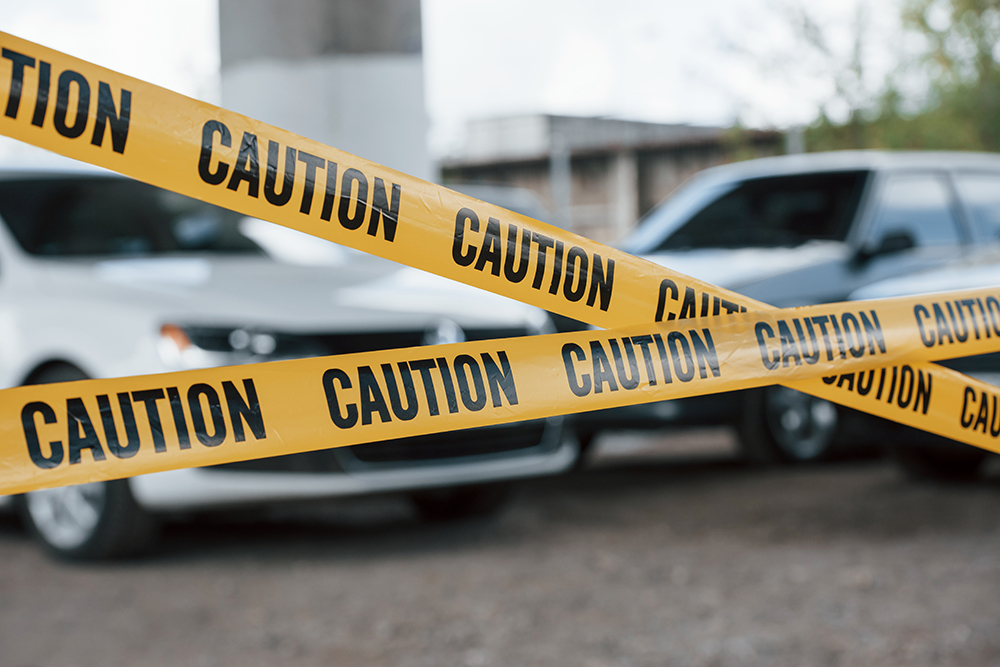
92 114
98 116
111 428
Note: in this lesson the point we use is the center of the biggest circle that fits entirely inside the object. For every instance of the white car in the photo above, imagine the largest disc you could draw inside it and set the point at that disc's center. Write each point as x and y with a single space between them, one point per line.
102 276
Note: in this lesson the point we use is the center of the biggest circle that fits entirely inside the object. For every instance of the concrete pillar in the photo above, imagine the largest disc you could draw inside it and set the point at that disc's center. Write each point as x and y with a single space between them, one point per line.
624 200
795 140
348 73
560 178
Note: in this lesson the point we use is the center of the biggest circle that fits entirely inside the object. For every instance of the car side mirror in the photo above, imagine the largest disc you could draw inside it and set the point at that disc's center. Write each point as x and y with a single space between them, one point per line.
892 242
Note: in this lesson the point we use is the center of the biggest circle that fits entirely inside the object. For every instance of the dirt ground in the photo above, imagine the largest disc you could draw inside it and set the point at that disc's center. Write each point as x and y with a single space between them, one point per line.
644 559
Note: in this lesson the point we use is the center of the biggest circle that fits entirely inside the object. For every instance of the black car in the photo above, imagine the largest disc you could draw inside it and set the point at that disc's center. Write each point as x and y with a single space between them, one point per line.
807 229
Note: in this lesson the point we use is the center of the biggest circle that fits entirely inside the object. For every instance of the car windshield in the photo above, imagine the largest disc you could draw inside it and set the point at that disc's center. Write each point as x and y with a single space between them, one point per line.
761 212
115 217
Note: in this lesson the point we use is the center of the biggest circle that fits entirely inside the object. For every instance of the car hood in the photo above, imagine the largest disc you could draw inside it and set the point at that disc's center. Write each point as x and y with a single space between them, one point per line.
360 295
736 267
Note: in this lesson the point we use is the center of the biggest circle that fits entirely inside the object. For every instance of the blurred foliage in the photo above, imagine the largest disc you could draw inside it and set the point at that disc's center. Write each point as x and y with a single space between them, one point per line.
959 108
740 143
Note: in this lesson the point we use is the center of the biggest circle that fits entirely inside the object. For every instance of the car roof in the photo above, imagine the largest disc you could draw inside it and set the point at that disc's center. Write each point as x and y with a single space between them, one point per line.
855 161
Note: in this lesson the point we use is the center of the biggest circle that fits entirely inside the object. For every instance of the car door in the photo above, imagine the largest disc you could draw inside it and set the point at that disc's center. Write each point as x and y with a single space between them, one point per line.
979 193
912 222
916 224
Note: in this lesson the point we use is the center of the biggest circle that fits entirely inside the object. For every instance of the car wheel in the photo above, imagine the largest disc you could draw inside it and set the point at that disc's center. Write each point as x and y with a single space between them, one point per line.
779 424
87 521
465 502
95 521
960 463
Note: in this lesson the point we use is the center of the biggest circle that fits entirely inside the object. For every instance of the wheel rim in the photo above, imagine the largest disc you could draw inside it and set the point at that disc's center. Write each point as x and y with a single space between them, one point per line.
68 516
802 425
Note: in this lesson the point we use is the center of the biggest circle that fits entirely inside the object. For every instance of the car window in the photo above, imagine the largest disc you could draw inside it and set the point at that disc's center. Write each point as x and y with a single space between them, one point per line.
776 211
918 205
115 217
981 194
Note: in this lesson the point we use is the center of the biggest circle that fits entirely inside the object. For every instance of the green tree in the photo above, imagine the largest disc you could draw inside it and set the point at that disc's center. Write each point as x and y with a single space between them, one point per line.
848 77
963 38
958 105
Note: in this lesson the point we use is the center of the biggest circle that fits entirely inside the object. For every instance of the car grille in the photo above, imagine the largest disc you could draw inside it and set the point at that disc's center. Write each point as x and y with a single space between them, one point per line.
324 460
482 441
288 345
469 442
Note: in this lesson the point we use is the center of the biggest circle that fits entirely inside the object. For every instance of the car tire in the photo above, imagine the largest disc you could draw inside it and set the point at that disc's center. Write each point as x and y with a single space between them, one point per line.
95 521
585 441
782 425
958 463
464 502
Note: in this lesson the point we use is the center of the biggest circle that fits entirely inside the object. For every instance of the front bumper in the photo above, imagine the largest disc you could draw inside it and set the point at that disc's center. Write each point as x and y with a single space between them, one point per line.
206 488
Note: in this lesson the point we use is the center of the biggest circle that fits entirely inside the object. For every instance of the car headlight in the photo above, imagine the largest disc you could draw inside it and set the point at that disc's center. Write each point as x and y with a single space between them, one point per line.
204 347
262 344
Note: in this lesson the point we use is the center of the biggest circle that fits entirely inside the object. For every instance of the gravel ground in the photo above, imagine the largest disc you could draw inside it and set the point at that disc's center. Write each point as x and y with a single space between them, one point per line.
641 560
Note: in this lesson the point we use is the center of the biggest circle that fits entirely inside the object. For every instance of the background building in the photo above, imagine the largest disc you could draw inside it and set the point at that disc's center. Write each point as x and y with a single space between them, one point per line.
598 175
349 74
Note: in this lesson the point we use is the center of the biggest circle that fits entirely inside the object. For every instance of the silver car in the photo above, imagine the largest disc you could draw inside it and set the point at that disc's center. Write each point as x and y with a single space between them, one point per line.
799 230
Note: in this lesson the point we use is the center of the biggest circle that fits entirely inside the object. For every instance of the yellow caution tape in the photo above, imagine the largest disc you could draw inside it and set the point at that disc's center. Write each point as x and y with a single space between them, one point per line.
95 115
110 428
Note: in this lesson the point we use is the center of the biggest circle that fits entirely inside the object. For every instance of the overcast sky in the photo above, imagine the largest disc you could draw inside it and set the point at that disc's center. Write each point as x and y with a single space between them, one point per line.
660 60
